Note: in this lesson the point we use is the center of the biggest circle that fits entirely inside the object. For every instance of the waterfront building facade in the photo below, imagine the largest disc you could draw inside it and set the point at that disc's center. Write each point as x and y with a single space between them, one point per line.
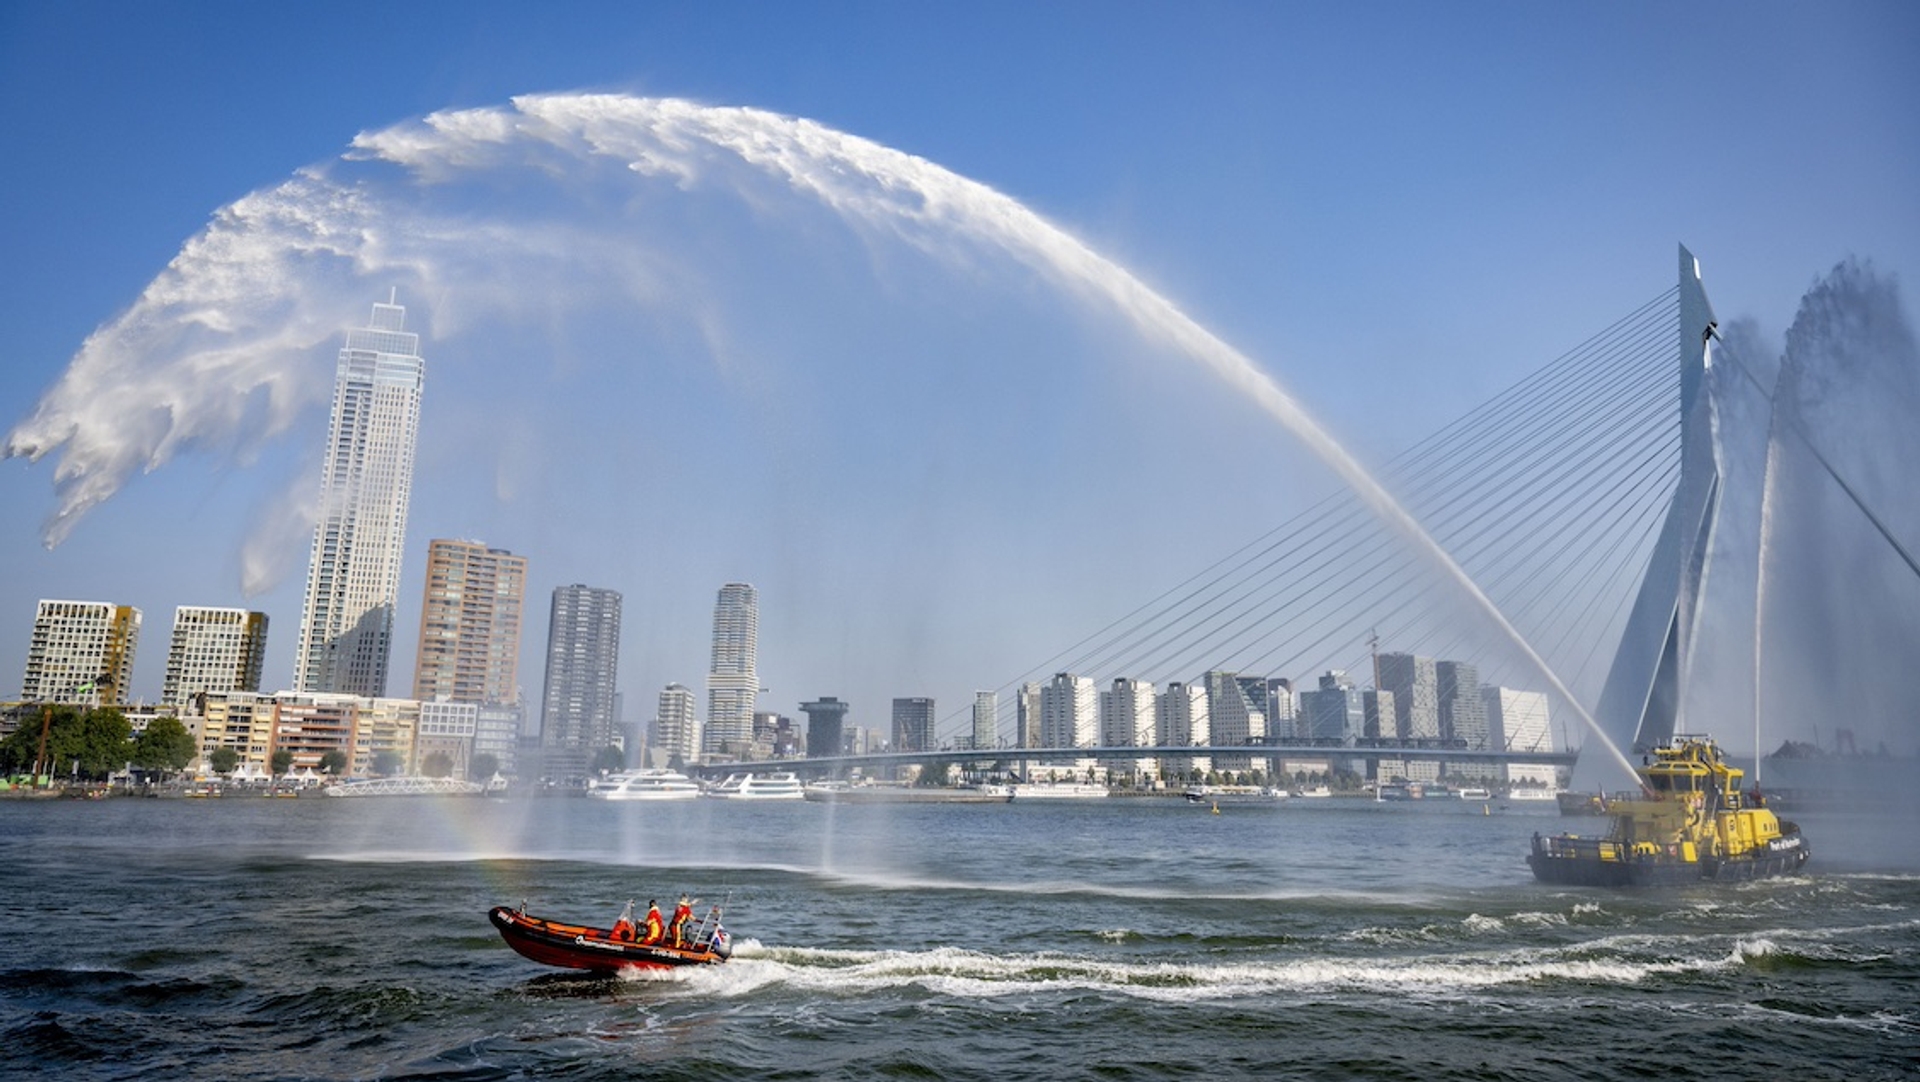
583 662
470 614
308 725
212 650
81 653
384 725
497 731
826 726
353 573
733 679
447 729
239 720
1069 718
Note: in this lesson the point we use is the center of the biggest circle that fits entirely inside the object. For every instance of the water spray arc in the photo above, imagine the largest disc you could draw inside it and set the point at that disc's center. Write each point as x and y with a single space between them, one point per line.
270 238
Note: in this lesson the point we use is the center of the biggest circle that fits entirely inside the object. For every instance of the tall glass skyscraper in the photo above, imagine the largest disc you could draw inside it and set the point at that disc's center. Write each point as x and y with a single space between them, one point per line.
353 578
733 679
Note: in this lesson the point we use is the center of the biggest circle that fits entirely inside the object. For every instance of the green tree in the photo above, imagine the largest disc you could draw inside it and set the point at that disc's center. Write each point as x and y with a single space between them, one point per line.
333 762
281 761
223 760
166 746
483 765
609 759
437 765
936 775
90 743
386 763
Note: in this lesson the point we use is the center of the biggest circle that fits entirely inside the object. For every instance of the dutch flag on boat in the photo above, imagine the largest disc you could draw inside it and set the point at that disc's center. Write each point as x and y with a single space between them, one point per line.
719 939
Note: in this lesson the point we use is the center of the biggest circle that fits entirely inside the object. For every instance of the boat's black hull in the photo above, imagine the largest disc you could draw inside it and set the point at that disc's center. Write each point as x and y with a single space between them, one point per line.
1585 870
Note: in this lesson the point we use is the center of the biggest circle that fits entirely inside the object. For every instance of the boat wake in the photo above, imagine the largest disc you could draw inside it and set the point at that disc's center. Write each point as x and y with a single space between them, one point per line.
970 974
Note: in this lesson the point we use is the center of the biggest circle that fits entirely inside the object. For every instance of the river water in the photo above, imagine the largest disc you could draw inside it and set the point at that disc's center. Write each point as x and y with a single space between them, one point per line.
1120 938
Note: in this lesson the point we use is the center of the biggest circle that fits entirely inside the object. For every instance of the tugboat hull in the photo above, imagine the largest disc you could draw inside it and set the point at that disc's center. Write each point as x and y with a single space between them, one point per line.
1551 864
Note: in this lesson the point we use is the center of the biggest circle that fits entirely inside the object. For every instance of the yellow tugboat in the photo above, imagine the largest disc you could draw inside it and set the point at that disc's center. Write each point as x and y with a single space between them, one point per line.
1691 822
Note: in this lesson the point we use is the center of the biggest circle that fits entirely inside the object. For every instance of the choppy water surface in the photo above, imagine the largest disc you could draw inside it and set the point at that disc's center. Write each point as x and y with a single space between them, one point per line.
1119 938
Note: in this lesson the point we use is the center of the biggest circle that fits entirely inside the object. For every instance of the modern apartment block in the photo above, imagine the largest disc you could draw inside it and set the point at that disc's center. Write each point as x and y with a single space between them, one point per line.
353 574
986 710
1181 719
470 613
733 679
212 650
81 652
583 661
675 735
1126 721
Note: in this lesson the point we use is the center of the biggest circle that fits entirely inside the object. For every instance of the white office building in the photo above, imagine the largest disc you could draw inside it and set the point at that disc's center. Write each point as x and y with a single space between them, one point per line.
353 576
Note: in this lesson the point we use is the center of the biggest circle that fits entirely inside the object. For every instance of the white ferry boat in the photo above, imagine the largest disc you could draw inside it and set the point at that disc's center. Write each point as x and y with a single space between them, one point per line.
782 786
1475 793
1532 792
645 785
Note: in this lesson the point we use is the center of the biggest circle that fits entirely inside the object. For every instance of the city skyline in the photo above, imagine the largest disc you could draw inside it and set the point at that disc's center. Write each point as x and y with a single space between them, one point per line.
918 482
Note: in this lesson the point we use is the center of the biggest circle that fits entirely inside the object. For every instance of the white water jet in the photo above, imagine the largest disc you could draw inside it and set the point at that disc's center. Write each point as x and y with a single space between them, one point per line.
225 322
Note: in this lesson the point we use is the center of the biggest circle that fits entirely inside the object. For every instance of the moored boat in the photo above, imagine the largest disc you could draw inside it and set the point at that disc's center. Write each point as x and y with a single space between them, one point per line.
1065 790
1690 823
842 793
578 946
645 785
780 786
407 785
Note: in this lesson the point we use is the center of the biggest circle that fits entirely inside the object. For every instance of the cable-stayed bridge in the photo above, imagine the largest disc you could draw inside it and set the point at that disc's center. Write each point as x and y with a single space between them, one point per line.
1583 500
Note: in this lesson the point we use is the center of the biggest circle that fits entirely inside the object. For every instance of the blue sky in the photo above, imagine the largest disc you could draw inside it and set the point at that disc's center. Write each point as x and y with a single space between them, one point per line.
1395 209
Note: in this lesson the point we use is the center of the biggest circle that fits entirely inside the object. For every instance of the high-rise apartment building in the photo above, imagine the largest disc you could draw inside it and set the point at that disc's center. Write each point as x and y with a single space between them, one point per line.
986 709
470 624
353 576
675 736
583 663
1181 719
81 652
1026 716
1069 712
1126 721
733 678
213 650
